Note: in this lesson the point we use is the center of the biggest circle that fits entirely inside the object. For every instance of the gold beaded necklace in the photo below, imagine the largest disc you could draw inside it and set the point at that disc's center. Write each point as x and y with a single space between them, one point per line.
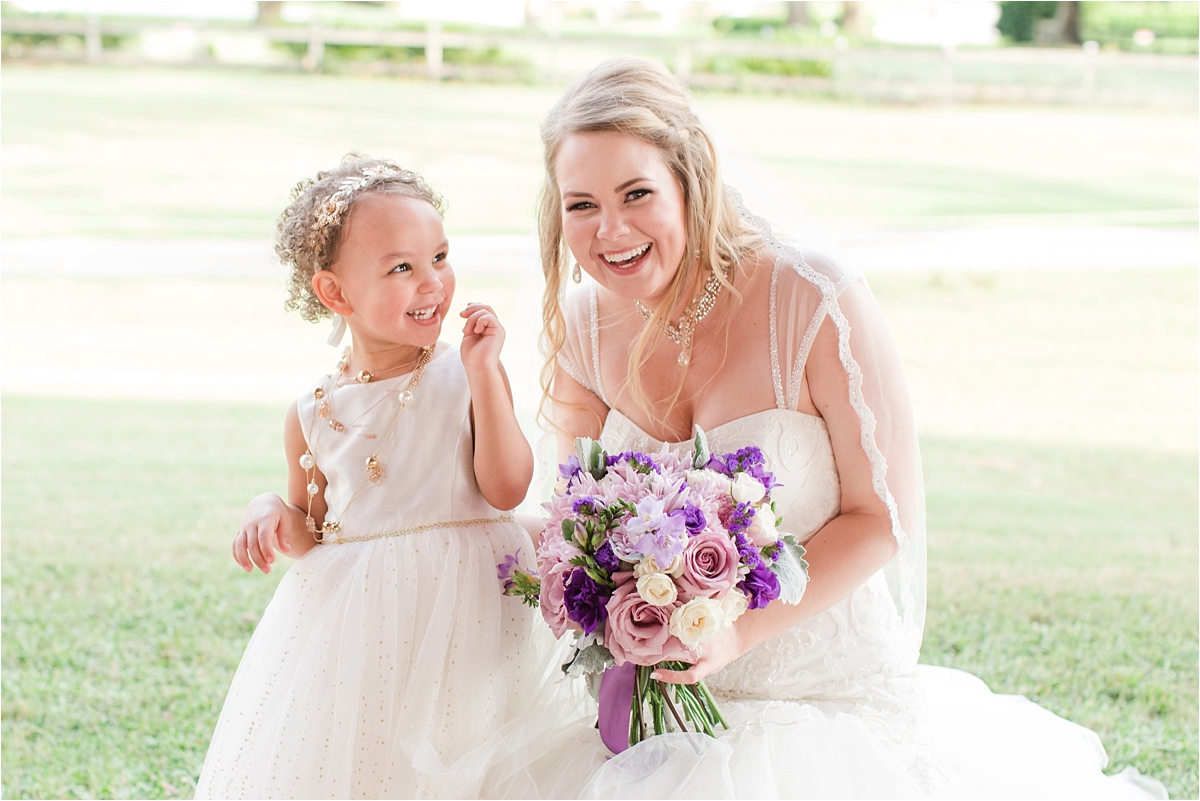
323 408
696 311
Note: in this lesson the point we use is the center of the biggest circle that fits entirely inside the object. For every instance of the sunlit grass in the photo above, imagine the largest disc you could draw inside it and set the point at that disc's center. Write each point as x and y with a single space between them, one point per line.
1065 573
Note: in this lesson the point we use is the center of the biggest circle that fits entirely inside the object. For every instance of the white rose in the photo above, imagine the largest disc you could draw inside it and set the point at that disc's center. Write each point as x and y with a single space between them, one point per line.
650 565
657 589
697 621
747 489
762 531
733 605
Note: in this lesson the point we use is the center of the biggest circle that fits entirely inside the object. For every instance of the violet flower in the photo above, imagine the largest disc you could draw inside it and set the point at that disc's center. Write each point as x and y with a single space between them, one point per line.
585 600
760 585
653 532
607 559
570 468
693 519
737 519
504 570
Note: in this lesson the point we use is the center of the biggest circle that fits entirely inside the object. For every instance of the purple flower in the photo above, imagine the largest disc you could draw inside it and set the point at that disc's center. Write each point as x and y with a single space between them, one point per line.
719 463
693 519
747 460
640 461
737 519
570 469
504 570
653 532
607 560
746 549
760 585
765 477
585 505
585 600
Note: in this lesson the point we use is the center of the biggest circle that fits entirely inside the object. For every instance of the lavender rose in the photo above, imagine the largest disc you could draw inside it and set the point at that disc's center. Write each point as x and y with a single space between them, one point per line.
710 565
693 519
607 559
639 632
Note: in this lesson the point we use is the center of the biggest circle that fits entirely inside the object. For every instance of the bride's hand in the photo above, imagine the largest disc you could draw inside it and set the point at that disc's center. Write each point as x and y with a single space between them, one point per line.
714 655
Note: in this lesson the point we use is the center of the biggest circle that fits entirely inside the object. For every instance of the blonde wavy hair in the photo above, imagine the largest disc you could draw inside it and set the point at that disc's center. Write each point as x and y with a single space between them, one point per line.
640 98
309 231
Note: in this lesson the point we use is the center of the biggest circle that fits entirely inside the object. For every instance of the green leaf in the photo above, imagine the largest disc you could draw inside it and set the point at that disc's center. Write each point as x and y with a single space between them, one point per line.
593 659
702 454
791 570
568 529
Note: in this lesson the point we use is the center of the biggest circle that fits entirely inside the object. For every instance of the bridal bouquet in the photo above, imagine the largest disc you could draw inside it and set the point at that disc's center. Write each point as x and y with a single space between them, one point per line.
646 558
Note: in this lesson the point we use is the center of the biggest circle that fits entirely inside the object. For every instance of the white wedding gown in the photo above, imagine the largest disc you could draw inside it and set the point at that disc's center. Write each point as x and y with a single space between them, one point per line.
837 706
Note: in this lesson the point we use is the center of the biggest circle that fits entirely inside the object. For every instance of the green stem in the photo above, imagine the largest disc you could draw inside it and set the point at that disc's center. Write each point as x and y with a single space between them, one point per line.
712 704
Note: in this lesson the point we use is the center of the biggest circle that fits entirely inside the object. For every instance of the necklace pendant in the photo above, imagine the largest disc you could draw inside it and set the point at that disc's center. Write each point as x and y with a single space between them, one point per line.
323 409
684 358
374 471
406 395
363 377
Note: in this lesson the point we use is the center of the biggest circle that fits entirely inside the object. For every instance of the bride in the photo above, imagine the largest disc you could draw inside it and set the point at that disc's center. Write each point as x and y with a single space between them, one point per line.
700 314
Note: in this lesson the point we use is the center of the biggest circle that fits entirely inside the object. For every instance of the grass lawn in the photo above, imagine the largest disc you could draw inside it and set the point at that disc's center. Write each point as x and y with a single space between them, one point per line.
1062 554
124 616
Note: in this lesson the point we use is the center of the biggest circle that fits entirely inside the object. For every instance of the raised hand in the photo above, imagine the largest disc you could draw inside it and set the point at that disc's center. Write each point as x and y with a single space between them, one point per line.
263 530
483 337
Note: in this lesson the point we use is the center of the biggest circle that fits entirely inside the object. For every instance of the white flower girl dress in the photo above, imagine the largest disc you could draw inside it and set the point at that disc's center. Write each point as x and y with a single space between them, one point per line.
389 664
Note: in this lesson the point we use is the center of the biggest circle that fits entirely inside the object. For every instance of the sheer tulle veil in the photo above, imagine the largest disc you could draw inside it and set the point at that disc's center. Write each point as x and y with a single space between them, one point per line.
878 390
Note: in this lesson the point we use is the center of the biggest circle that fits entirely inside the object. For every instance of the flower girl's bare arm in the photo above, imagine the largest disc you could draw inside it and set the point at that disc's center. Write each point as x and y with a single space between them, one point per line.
503 459
270 523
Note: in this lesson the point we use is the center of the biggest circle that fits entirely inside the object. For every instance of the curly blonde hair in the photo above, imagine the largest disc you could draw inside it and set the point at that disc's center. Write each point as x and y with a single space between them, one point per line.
640 98
309 231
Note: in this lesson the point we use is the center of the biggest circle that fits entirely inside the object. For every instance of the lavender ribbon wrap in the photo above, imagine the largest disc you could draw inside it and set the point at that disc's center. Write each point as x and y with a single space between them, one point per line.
616 703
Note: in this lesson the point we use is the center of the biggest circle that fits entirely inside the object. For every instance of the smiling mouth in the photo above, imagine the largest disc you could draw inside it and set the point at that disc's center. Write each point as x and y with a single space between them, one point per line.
628 258
423 314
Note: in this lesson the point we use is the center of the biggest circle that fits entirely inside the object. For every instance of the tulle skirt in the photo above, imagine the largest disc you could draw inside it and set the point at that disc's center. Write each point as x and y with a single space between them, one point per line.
392 668
971 744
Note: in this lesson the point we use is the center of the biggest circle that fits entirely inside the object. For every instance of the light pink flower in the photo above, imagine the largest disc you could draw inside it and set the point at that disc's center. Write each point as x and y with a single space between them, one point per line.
554 611
640 633
710 565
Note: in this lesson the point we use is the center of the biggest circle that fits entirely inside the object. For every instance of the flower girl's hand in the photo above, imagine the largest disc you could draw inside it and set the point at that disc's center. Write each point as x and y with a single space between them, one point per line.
263 530
483 336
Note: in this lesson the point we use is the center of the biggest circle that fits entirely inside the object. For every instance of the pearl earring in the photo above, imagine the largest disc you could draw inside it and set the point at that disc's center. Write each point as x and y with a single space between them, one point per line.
577 273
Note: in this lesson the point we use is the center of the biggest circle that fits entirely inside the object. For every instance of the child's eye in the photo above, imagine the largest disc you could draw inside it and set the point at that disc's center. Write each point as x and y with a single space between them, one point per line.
637 193
441 257
403 267
581 205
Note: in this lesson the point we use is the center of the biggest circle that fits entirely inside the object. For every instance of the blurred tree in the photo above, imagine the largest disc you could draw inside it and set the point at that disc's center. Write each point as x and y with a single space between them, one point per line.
1017 19
269 13
1066 18
853 18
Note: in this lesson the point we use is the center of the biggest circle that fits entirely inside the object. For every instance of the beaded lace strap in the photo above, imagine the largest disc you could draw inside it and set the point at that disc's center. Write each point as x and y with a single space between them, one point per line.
776 377
594 325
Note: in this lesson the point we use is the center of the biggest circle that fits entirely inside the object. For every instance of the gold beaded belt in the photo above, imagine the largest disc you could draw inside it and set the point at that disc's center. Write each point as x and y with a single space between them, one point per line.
479 521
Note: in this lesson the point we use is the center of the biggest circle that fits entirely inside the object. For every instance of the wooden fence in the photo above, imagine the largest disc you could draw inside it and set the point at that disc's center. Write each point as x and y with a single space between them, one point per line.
1039 75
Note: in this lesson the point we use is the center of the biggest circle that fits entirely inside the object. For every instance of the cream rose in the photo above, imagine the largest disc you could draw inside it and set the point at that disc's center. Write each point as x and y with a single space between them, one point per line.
733 605
699 479
650 565
747 489
657 589
762 531
697 621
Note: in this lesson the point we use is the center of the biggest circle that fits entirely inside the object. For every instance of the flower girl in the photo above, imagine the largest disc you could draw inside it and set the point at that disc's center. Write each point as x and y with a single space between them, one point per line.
388 663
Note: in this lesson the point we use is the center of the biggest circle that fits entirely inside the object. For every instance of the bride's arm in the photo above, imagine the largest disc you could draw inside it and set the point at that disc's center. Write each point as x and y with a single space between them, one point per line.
846 552
576 412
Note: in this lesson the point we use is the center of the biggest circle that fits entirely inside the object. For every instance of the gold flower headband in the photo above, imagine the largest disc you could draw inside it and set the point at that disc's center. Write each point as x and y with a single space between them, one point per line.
331 211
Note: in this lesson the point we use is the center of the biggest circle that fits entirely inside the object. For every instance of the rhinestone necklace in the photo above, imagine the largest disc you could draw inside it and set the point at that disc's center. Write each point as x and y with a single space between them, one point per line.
696 311
323 408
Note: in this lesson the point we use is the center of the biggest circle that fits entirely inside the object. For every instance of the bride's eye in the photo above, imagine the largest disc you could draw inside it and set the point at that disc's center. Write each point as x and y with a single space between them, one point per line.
637 194
581 205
